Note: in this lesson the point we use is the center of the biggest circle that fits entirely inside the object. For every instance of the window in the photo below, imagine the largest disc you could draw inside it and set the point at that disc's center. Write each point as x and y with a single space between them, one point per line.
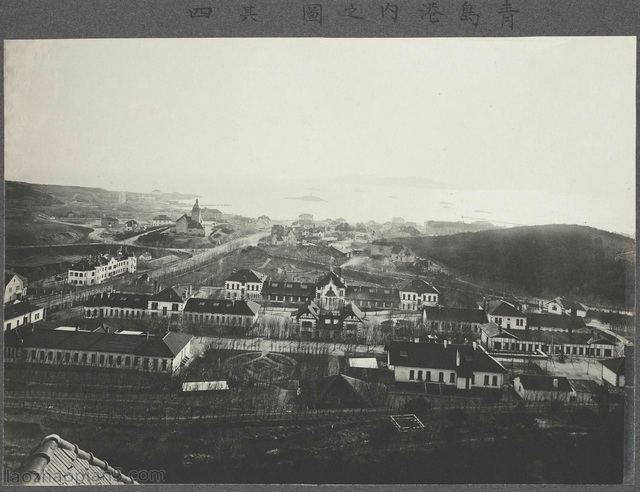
102 359
50 356
84 358
419 375
164 364
127 361
428 378
75 358
607 352
441 377
58 356
486 380
119 360
452 377
154 305
174 307
412 374
93 358
494 382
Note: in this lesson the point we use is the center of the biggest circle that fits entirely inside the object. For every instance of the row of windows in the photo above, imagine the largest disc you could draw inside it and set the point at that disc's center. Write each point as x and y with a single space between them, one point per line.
569 350
412 297
235 286
493 380
108 360
232 320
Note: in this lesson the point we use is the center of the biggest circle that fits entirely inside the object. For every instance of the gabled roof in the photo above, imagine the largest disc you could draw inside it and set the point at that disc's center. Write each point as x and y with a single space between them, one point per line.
163 217
166 295
568 304
246 275
341 391
459 315
492 331
616 365
539 382
351 310
506 309
131 222
55 458
562 321
221 306
328 277
419 286
310 308
437 356
166 346
8 276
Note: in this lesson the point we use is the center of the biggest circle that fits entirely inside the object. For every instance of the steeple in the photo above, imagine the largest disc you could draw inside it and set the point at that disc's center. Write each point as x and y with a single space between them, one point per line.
196 214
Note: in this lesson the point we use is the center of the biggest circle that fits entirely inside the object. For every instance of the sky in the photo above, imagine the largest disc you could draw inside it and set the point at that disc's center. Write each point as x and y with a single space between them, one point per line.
518 130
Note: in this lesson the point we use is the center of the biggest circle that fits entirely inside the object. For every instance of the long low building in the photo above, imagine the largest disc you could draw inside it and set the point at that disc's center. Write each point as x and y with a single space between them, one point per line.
143 352
221 311
372 297
591 344
288 292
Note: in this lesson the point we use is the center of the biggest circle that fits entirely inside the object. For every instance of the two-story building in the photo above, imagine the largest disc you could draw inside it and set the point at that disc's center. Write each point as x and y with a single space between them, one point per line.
285 292
15 286
367 297
418 293
244 284
161 220
330 290
166 303
508 316
439 319
555 322
117 305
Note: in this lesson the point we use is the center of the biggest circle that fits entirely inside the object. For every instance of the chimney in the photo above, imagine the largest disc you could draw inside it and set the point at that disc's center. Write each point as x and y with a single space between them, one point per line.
445 342
555 383
475 345
146 334
457 358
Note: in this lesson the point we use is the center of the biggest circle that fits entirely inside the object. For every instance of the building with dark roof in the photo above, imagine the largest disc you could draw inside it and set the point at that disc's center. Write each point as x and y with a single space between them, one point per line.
191 225
15 286
417 293
402 254
366 297
282 291
447 319
507 315
536 387
344 323
221 311
460 367
244 284
167 303
342 391
554 322
117 305
58 462
330 290
20 313
161 220
141 352
613 372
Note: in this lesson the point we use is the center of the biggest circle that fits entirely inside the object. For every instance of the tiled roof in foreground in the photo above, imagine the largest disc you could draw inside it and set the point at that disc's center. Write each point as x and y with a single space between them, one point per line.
59 462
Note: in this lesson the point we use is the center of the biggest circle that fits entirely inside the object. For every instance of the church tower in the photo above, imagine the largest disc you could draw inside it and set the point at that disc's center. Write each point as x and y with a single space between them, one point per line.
196 214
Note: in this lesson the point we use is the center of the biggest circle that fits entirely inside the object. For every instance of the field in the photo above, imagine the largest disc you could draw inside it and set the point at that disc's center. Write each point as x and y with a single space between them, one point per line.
28 232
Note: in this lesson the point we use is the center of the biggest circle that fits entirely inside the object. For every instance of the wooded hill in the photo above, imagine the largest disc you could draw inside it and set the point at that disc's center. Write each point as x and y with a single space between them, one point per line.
574 261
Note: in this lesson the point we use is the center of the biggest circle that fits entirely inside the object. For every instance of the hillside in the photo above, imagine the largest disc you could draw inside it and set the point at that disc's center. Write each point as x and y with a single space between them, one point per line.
573 261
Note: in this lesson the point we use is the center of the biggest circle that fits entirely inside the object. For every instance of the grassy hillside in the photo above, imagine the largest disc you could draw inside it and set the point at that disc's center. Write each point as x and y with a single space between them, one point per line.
574 261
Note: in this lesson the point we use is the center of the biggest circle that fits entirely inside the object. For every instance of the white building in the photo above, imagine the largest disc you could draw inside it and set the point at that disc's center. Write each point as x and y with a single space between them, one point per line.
244 284
161 220
167 303
565 306
458 367
15 287
93 272
613 372
418 293
19 313
536 387
507 316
